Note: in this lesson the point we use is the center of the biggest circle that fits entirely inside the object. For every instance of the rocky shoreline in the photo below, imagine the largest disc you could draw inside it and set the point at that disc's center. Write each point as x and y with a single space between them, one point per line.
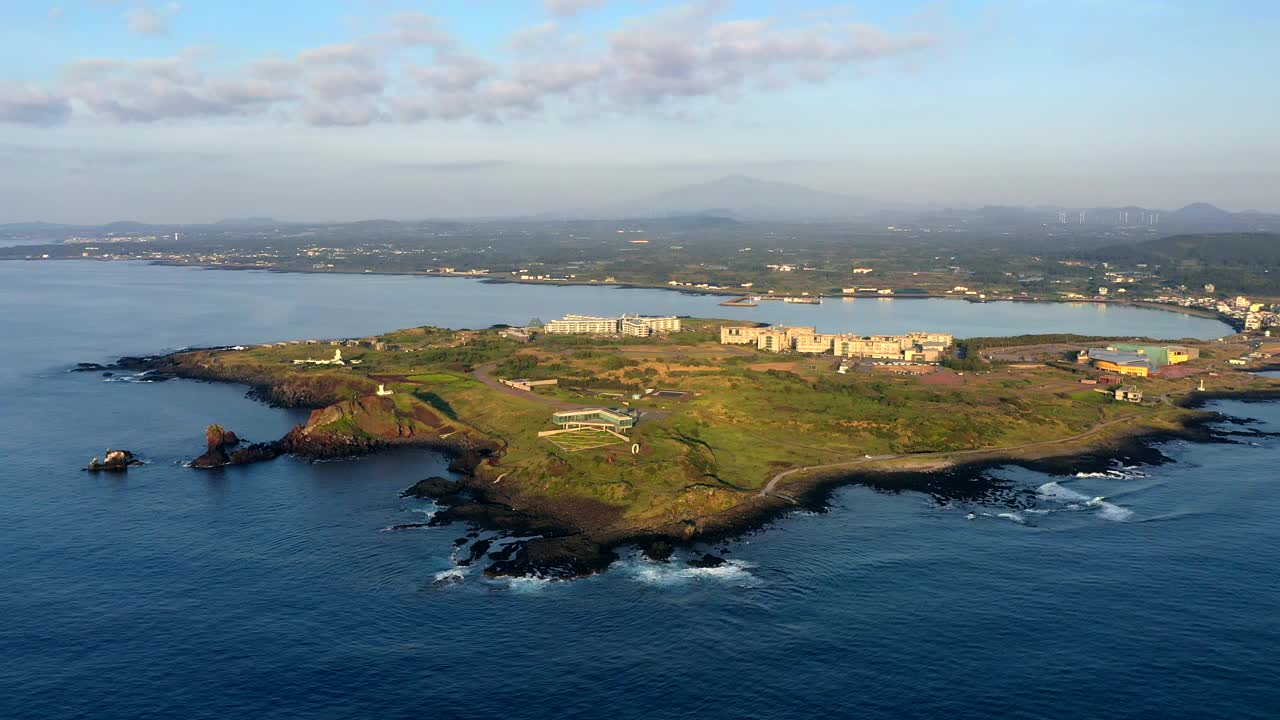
564 542
565 552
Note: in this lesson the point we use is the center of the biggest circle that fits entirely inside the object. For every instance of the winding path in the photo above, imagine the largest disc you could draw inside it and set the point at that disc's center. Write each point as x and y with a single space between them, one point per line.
484 373
770 488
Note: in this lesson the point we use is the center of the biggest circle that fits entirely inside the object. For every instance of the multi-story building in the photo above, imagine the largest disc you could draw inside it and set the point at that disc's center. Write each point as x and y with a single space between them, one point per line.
912 347
653 323
886 347
582 325
815 343
925 338
634 325
738 335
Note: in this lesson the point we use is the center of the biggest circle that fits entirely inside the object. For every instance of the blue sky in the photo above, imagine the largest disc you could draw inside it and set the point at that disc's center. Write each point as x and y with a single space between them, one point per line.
328 109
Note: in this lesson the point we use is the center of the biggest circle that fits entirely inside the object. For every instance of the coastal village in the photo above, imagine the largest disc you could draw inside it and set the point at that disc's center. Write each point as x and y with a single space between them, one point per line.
746 274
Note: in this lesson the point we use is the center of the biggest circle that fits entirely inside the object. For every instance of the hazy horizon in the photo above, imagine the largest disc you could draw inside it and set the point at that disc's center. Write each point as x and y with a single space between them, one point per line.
333 111
602 214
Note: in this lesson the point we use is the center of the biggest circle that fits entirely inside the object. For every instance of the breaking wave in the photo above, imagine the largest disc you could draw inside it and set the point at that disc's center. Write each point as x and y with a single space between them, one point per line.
1078 501
676 573
144 376
1110 511
1124 473
1056 492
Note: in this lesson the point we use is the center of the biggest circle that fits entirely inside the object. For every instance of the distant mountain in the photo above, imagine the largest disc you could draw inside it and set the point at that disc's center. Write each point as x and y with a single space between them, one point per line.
747 198
247 222
1202 212
127 226
1203 217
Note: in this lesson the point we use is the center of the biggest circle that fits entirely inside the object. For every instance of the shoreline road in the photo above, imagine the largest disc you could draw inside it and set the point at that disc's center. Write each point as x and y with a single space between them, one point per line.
770 488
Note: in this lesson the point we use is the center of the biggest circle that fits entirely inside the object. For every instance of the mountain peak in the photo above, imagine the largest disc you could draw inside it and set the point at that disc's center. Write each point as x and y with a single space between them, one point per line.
1203 210
746 197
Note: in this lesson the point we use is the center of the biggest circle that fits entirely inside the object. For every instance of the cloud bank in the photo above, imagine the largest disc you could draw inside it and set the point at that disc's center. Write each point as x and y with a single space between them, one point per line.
416 70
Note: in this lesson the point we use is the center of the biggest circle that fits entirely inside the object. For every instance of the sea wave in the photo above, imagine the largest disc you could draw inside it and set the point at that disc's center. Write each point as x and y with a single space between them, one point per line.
452 576
1055 491
676 573
1123 473
1073 500
144 376
1110 511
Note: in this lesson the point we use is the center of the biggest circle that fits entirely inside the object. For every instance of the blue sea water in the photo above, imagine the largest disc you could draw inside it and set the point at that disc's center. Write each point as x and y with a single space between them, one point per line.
276 590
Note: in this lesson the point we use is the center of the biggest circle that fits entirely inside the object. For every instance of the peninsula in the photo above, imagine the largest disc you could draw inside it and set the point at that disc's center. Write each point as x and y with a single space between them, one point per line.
591 433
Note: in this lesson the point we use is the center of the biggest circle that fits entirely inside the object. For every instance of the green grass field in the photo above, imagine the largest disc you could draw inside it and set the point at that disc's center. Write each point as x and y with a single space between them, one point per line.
583 439
707 450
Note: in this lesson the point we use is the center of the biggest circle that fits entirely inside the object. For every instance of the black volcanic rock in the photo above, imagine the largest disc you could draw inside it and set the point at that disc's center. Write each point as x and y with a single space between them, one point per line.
113 461
432 488
257 452
475 552
220 450
658 550
560 558
707 561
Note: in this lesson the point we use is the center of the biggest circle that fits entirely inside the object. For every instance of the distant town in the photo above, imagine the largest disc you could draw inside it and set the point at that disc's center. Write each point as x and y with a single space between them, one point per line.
1093 255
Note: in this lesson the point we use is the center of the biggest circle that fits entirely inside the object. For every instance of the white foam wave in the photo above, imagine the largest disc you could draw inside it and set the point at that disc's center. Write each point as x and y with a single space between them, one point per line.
525 584
1057 492
452 576
426 508
1110 511
1073 500
143 376
674 573
1126 473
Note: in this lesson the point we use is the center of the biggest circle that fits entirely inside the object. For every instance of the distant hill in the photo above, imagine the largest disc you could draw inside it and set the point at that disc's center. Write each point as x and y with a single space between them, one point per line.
128 226
747 198
1233 262
1202 212
247 222
1210 250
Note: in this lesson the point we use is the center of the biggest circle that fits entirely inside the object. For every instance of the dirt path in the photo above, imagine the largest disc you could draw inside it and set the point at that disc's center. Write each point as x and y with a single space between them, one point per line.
484 373
770 487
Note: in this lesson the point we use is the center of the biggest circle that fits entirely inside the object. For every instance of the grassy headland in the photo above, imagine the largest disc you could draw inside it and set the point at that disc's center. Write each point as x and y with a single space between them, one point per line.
740 434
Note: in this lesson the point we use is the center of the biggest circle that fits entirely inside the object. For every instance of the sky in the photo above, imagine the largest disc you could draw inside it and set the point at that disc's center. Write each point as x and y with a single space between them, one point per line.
198 110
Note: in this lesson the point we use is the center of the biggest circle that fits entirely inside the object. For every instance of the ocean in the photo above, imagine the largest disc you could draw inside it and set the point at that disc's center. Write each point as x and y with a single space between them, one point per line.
279 591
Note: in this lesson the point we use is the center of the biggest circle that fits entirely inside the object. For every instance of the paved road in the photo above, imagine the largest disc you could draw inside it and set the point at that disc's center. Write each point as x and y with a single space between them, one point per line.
770 487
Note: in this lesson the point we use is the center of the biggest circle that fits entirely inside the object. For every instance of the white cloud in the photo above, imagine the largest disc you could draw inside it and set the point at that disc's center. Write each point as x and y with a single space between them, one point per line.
152 21
569 8
30 106
417 70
